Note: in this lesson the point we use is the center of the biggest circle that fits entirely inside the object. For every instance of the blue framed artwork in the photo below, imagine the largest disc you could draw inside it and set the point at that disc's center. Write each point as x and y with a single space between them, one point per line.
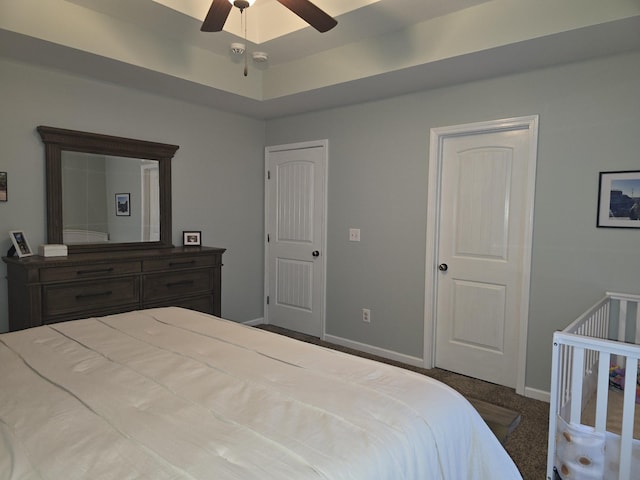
619 199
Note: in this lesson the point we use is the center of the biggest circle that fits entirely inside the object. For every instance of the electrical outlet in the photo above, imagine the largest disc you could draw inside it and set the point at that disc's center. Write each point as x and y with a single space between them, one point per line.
354 234
366 315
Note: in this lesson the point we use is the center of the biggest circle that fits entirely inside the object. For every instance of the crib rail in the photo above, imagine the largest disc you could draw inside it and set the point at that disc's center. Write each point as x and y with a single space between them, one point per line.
581 357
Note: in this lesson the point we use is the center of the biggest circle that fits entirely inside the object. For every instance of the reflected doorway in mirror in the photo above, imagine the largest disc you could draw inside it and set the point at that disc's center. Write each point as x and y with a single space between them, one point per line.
123 204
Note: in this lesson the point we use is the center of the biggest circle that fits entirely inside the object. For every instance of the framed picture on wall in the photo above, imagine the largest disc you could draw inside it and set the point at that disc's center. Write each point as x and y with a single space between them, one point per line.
619 199
191 238
123 204
3 187
20 243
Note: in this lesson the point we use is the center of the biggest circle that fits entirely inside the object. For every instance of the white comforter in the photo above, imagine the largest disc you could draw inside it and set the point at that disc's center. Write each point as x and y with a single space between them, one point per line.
174 394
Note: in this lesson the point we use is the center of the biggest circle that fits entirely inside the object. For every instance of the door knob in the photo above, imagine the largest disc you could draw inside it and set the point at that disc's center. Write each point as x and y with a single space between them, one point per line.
316 253
443 267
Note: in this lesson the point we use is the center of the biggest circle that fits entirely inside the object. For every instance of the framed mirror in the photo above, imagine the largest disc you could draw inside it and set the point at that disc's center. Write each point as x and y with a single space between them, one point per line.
106 192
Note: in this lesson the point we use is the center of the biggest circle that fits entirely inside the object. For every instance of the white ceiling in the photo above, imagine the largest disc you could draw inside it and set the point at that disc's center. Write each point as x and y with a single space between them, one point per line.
273 28
379 48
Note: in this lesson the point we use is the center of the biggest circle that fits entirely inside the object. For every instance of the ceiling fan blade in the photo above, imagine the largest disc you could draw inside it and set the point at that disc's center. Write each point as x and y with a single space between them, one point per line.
217 15
311 14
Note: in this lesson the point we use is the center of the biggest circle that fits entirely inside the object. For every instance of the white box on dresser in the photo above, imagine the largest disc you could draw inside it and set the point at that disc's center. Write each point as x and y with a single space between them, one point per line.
53 250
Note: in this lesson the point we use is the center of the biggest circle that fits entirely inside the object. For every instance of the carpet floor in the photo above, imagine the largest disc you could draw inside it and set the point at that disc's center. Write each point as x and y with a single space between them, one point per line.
520 423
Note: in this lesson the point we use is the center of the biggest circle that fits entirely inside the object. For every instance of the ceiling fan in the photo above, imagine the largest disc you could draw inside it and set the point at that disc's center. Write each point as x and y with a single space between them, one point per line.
314 16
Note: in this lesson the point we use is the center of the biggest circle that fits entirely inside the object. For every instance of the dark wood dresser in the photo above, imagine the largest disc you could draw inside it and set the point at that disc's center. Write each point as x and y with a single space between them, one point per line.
55 289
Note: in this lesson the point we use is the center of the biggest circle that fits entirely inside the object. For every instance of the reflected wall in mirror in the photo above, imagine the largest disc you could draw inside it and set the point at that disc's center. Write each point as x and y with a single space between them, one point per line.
90 184
85 172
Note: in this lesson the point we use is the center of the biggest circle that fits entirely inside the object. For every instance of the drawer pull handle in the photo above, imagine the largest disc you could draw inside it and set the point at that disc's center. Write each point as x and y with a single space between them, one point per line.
179 264
180 284
91 295
98 270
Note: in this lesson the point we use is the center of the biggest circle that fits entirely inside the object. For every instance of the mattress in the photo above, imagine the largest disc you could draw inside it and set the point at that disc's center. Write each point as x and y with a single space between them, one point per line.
174 394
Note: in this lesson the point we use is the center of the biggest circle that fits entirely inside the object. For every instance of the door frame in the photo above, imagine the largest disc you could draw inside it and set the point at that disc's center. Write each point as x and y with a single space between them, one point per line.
437 138
324 144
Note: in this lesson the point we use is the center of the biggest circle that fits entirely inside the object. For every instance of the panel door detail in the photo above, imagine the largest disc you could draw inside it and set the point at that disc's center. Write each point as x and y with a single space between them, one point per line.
482 233
295 228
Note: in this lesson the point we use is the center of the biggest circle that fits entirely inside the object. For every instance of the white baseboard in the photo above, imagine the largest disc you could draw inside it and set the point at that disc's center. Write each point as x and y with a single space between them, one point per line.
363 347
537 394
529 392
254 322
381 352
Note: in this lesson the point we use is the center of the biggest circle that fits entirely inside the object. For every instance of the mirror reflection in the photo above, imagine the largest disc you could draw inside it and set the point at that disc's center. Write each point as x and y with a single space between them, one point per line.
109 199
115 193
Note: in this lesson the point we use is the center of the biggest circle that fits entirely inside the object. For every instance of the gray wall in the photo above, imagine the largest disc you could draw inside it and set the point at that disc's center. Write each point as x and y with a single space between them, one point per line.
217 173
83 191
378 157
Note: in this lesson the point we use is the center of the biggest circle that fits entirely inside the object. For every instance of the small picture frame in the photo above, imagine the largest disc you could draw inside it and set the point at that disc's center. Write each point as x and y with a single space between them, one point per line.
3 187
619 199
191 238
123 204
20 243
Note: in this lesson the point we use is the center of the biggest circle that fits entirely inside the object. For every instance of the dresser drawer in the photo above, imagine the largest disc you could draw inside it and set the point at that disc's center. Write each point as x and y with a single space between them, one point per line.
95 283
178 263
97 270
165 285
86 296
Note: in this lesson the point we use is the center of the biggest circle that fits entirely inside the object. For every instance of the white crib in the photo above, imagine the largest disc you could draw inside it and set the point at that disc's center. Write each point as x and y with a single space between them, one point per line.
606 334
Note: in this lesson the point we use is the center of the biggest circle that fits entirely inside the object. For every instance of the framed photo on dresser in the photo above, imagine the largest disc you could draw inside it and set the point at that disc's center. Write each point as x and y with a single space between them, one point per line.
20 243
191 238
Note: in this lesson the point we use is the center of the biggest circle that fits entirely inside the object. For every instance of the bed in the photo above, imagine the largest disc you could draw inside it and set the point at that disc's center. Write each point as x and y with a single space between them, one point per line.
171 393
594 430
72 236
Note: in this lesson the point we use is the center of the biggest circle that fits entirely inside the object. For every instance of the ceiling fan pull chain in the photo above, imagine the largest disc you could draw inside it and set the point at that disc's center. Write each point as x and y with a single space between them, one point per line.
243 16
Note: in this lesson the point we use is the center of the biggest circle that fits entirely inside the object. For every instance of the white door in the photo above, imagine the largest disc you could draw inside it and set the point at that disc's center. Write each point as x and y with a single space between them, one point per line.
295 250
482 261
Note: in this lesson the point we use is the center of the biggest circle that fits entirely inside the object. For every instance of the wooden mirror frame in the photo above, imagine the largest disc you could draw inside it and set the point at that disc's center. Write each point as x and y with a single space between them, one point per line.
57 140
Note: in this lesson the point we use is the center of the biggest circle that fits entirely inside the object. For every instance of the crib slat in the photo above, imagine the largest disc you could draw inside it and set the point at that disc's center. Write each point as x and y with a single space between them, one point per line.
628 412
602 397
637 324
622 331
622 321
565 375
556 399
577 368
